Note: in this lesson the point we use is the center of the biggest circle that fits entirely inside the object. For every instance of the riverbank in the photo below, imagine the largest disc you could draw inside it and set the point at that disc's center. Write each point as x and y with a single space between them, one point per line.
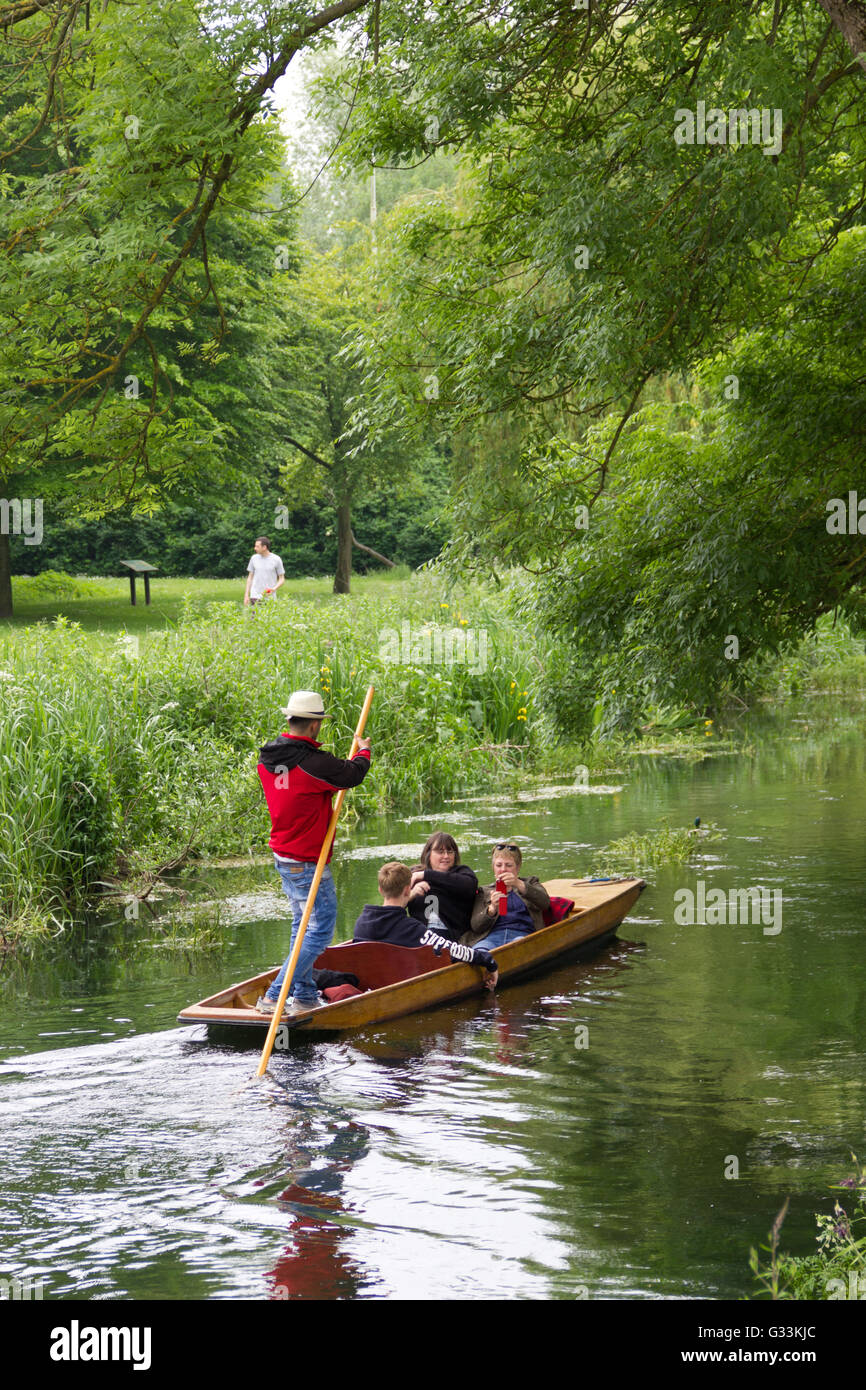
128 753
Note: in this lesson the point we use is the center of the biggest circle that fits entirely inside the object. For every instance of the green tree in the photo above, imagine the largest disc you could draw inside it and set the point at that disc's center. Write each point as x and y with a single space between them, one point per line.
719 538
335 296
341 200
127 128
598 247
587 250
130 134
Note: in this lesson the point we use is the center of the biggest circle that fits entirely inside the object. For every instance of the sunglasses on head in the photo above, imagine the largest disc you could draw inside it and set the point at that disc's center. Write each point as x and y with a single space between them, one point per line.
516 848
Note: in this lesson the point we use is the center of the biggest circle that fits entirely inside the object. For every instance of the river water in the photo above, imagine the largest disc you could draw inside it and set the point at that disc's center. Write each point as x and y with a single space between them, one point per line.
478 1151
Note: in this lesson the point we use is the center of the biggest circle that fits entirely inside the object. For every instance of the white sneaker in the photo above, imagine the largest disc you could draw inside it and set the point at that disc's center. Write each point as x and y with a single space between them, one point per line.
268 1006
293 1007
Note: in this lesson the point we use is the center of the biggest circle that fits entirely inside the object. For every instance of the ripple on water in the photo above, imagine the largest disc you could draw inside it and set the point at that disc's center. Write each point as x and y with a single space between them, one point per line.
482 1150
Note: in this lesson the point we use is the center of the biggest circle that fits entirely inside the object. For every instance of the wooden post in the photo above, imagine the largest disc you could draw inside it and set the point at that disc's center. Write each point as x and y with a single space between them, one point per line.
311 898
147 588
132 587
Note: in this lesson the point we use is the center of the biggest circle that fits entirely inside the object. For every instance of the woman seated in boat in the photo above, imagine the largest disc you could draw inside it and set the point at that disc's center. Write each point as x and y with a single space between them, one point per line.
525 902
389 921
443 890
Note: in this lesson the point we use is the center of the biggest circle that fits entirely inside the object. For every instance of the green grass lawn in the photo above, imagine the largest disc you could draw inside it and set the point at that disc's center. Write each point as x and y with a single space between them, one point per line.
103 606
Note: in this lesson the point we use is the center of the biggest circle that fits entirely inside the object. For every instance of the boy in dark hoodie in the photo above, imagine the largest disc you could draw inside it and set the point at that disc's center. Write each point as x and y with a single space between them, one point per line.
392 923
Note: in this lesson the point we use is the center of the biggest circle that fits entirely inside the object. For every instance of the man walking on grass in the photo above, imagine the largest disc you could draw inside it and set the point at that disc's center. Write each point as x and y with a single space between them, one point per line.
299 781
265 573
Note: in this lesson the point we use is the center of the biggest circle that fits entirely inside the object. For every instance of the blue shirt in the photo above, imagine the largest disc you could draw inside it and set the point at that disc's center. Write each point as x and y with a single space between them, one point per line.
517 917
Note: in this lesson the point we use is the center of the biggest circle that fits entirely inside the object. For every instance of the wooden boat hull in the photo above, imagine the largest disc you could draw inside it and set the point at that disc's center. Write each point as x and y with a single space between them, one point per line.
427 980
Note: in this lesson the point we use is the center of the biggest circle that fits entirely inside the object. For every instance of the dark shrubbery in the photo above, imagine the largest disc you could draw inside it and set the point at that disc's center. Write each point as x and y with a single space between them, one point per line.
216 541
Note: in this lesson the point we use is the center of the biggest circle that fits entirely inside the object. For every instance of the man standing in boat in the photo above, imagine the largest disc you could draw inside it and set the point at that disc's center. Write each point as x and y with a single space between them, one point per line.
299 780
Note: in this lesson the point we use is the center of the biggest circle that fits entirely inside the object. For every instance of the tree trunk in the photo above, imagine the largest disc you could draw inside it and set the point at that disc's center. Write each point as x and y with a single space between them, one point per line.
849 17
343 576
5 578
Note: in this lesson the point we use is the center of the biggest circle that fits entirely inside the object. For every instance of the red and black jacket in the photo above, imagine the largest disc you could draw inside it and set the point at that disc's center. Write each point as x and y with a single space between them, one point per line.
299 782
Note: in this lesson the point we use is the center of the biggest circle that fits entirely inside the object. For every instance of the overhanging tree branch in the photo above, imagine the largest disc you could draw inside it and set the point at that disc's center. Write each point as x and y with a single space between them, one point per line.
242 114
56 59
309 453
246 108
370 551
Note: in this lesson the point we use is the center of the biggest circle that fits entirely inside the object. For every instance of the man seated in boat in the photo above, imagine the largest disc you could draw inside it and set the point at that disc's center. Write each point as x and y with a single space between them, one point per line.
389 921
443 890
525 899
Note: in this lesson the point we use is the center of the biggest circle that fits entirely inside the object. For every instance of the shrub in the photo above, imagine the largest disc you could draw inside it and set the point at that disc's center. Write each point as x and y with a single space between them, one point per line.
837 1269
116 763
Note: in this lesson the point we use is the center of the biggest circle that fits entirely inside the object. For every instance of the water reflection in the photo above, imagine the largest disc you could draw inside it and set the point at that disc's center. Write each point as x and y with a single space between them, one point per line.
315 1263
477 1151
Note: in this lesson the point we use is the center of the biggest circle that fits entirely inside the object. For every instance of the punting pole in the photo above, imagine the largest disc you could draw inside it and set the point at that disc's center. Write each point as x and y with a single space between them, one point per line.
311 898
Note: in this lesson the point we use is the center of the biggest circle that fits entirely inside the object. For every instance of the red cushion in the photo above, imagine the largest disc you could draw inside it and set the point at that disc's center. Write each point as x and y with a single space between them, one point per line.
559 908
336 992
378 963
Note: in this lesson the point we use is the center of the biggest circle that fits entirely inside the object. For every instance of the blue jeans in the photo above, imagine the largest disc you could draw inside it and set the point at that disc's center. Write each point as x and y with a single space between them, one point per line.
500 936
297 879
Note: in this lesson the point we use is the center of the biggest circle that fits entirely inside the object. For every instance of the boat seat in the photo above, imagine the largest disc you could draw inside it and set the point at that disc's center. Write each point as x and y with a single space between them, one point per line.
378 963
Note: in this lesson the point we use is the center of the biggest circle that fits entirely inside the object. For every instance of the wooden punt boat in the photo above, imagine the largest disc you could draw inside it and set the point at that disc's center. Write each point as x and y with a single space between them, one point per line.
399 980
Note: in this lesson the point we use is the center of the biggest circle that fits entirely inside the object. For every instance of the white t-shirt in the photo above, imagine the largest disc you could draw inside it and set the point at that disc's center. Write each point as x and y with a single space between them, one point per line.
266 570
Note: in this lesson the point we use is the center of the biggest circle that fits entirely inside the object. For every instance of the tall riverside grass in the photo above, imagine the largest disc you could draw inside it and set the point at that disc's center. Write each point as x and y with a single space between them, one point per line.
830 659
114 762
